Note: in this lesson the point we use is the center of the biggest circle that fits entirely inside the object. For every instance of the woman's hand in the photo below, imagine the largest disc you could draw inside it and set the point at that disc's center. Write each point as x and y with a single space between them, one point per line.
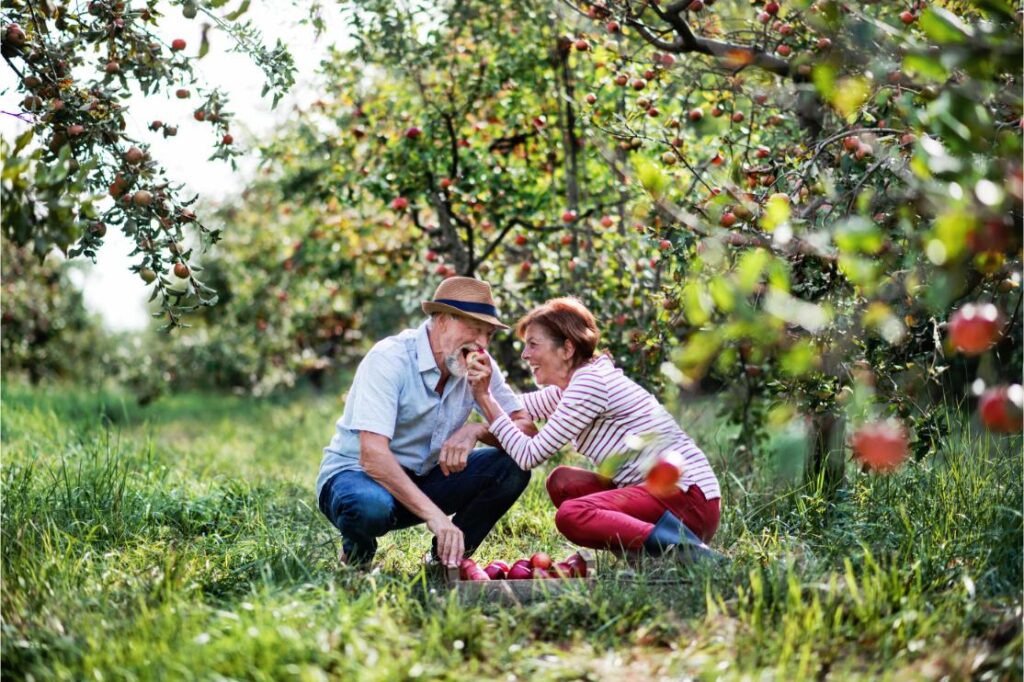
479 374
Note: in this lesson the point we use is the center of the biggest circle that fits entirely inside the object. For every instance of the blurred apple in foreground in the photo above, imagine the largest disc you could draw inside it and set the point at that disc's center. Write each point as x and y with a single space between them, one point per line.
663 477
975 328
1002 409
881 446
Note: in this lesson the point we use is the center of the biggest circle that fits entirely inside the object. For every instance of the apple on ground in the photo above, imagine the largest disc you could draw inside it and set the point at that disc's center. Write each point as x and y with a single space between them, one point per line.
496 570
541 560
521 570
577 564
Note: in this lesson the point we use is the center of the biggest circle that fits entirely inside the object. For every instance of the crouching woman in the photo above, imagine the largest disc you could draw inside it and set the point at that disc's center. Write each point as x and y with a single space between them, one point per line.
589 402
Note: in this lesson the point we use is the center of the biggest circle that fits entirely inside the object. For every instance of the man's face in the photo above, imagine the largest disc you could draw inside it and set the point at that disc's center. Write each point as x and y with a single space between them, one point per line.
458 337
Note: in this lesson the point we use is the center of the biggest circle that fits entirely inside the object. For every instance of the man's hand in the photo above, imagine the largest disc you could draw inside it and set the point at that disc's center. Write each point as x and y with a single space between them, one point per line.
450 543
455 451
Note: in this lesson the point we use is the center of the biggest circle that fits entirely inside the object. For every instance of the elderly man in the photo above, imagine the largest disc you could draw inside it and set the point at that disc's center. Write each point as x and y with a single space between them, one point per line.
402 452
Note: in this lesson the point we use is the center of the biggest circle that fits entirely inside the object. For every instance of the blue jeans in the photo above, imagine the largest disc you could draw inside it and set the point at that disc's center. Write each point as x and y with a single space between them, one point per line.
478 496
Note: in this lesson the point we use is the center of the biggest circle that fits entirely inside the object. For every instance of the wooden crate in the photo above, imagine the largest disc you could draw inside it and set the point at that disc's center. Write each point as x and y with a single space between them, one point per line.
519 591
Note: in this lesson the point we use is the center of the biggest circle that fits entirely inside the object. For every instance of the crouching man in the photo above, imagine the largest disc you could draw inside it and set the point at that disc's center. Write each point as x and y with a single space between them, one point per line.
402 452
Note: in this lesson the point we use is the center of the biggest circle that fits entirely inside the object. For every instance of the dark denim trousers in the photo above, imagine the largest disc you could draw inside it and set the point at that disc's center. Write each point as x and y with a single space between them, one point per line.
478 496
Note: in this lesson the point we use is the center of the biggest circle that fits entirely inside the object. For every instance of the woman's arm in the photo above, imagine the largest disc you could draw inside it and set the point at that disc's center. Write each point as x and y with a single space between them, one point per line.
581 403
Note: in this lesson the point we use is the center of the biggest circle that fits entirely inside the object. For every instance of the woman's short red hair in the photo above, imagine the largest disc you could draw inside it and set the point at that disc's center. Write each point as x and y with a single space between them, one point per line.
565 318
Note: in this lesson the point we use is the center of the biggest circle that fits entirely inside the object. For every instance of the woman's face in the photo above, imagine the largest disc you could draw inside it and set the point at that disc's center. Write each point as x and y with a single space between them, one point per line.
551 363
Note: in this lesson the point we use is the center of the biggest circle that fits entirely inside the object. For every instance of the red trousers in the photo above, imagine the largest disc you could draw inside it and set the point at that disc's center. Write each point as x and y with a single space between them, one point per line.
592 512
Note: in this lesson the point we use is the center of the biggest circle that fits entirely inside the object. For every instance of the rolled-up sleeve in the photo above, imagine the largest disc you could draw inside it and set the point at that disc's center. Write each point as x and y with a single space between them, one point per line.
373 399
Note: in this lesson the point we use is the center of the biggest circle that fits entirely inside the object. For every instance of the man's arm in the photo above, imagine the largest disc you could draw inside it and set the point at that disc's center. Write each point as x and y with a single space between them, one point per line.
379 463
455 451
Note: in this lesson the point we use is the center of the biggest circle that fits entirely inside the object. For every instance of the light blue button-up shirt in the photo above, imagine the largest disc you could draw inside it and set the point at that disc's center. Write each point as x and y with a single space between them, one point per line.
393 395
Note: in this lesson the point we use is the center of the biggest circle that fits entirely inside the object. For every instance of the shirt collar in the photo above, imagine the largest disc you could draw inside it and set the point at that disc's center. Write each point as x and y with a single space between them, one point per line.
424 353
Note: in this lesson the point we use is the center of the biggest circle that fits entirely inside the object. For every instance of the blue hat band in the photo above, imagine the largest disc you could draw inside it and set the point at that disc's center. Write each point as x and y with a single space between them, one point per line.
465 306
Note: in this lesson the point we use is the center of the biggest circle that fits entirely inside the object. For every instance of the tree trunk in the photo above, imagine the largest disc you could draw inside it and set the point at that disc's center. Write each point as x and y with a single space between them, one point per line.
825 459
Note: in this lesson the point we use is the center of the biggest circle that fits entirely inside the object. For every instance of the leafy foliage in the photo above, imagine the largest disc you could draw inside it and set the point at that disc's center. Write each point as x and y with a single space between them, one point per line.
76 68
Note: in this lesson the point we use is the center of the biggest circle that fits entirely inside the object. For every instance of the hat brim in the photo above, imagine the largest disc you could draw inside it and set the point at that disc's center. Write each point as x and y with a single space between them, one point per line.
432 307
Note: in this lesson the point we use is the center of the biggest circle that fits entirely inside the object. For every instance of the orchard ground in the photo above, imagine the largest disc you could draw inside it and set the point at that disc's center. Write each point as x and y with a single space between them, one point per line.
182 541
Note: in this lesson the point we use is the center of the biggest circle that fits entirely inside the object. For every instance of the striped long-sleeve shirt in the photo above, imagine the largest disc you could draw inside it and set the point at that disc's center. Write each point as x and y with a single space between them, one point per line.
604 414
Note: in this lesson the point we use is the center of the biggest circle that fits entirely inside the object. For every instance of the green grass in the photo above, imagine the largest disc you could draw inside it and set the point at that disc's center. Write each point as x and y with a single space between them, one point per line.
182 541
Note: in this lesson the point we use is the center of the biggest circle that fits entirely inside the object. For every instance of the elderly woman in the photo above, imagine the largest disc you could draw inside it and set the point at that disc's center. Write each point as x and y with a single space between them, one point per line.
589 402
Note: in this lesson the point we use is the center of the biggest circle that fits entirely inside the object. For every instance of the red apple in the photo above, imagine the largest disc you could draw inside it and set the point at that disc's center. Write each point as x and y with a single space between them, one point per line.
824 43
181 270
142 198
181 93
413 132
762 152
445 183
728 219
112 67
696 114
399 203
881 446
568 216
907 17
738 117
621 79
578 565
496 570
541 560
975 328
591 98
561 570
582 45
178 44
664 245
772 8
638 84
607 221
784 50
566 239
519 571
764 17
696 6
612 27
664 475
227 140
1002 409
521 240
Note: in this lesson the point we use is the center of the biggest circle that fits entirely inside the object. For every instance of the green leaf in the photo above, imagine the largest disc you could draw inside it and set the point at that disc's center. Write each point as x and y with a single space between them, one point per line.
824 76
801 358
923 66
650 176
749 269
943 26
859 235
242 9
23 140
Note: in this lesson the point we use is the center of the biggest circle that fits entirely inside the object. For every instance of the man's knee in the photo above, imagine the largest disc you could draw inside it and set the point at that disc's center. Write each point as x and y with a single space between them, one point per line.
504 470
367 512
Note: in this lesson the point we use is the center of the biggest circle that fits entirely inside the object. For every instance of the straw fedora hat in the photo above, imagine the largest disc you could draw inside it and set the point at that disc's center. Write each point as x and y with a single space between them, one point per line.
466 296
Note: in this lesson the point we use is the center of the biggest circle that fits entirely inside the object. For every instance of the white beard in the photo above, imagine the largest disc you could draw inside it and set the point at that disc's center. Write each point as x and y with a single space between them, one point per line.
456 368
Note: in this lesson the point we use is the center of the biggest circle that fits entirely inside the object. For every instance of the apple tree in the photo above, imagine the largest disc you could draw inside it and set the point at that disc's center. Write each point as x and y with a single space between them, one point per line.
834 181
77 172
